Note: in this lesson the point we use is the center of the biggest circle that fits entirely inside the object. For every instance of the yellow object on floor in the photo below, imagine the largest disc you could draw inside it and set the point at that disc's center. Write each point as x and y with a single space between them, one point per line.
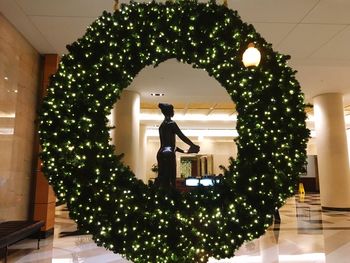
301 189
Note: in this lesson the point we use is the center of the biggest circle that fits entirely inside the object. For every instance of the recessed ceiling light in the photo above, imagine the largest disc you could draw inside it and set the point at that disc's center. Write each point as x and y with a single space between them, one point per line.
157 94
6 78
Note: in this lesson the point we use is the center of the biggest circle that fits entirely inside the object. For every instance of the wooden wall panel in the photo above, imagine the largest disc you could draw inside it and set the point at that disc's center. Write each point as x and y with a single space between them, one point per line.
45 200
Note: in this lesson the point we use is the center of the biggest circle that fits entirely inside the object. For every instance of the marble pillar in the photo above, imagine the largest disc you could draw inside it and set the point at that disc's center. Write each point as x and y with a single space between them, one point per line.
332 151
125 136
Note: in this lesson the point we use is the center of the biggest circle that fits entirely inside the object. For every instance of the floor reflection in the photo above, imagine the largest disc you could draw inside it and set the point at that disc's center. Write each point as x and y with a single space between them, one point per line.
305 234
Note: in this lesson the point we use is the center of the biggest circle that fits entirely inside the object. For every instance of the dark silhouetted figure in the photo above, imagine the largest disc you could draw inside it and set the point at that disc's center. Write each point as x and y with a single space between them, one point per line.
166 154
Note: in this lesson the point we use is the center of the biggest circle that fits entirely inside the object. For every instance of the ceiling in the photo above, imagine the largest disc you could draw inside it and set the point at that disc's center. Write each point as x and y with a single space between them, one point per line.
316 33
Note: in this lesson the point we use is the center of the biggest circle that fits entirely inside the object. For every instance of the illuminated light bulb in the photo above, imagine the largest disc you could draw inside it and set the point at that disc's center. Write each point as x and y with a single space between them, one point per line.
251 57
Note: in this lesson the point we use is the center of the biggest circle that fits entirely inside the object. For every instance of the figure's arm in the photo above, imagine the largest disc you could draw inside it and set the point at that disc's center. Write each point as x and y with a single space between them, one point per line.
182 136
193 147
177 149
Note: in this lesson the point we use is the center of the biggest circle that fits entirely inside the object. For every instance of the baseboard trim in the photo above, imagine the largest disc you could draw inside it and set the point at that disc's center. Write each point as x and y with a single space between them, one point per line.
336 208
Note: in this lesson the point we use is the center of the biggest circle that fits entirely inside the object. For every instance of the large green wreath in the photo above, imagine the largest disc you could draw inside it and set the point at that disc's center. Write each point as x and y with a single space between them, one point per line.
139 221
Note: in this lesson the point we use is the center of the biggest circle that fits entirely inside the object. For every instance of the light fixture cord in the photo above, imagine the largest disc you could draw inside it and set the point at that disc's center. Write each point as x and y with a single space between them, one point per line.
116 5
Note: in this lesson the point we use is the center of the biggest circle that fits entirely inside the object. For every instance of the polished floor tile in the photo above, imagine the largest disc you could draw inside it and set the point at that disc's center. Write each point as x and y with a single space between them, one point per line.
306 234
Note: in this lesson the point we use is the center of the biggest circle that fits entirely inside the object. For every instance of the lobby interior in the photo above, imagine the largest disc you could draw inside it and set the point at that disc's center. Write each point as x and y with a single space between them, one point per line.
316 33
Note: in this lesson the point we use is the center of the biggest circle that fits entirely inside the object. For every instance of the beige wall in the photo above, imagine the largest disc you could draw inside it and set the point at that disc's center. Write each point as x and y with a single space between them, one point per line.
19 81
311 147
151 155
348 141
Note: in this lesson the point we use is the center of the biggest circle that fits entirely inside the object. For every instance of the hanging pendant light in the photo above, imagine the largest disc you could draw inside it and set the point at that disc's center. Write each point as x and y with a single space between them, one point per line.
252 56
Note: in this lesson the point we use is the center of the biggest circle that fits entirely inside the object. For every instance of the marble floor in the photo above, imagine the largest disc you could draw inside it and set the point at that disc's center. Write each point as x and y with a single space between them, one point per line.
306 234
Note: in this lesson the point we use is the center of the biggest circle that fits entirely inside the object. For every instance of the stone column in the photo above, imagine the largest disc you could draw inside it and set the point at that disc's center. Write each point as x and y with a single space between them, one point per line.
332 151
125 117
142 155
